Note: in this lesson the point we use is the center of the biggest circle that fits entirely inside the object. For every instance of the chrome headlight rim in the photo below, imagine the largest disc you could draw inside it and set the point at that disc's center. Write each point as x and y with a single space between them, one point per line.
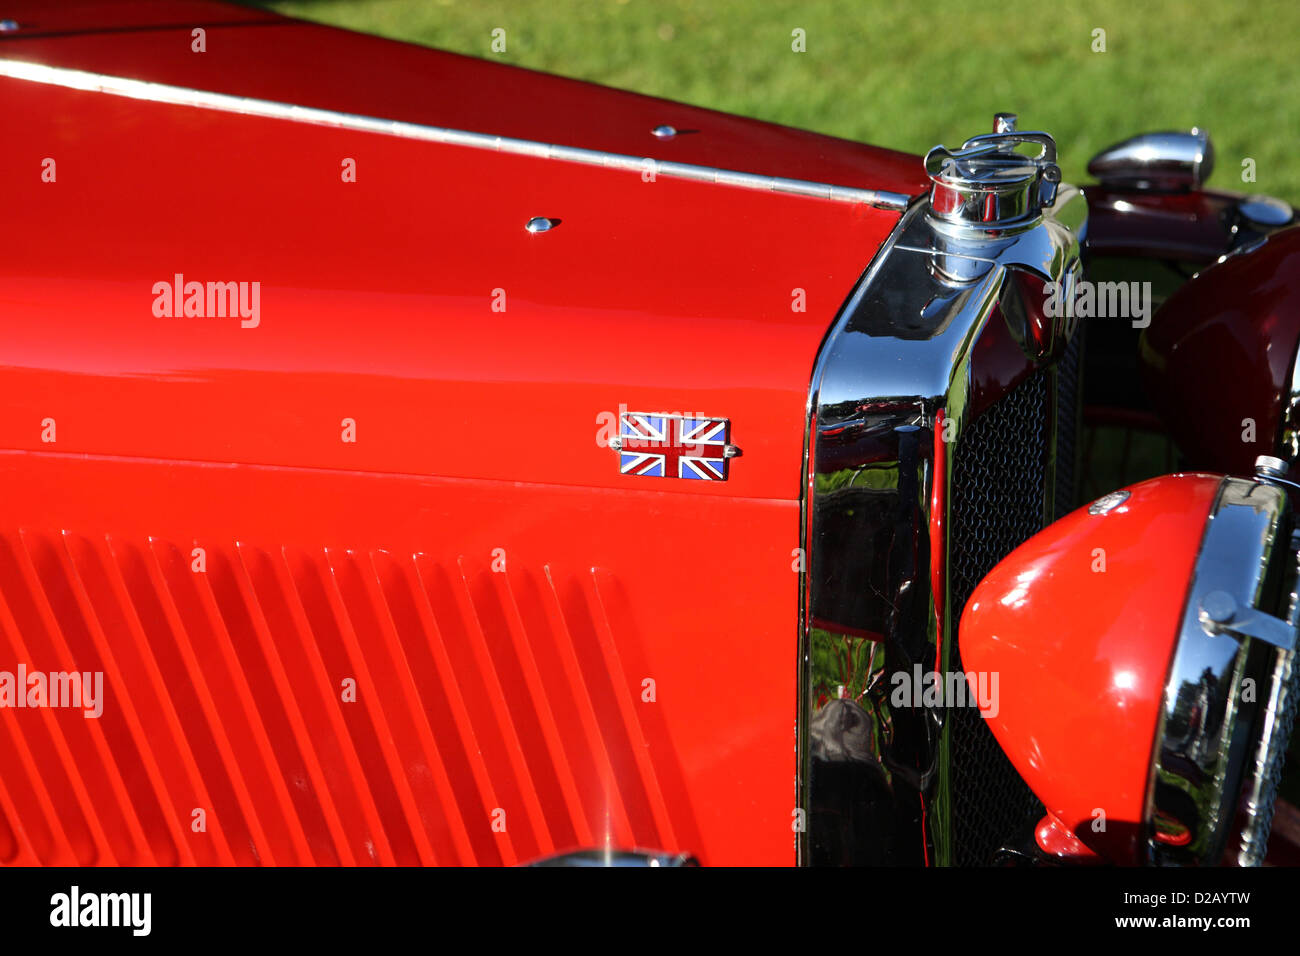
1220 740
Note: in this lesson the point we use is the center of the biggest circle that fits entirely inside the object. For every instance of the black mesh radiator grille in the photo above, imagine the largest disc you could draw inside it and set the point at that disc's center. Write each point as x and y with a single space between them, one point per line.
997 499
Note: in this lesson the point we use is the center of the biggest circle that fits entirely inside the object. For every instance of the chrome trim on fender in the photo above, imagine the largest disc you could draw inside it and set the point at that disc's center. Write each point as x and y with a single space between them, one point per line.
270 109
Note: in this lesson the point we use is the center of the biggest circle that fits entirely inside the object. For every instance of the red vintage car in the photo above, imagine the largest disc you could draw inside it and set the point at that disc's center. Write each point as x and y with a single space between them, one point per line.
411 459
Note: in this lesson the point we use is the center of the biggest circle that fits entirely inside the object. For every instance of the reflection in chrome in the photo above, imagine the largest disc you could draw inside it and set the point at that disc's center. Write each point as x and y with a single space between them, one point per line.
1220 744
183 96
947 320
1289 440
1265 771
1265 211
1221 614
1162 162
1108 503
987 182
621 858
1269 466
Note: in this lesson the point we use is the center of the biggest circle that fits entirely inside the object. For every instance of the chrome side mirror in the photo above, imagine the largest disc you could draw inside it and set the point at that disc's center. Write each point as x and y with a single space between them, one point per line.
1160 162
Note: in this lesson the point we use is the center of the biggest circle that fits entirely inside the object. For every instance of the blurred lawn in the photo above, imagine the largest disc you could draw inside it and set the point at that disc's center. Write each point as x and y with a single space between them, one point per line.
910 75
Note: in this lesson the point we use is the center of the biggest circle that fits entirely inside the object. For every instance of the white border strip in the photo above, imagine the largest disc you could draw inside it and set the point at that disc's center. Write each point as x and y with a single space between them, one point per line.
182 96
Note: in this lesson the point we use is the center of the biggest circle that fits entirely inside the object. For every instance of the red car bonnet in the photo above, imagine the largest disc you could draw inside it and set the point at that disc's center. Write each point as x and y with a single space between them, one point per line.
187 511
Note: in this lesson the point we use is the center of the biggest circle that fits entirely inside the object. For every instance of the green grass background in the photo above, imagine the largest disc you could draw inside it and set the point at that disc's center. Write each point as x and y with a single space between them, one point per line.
907 74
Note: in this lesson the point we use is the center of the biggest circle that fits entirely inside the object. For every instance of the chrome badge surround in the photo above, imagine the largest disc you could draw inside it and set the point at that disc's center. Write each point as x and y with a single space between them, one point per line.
671 445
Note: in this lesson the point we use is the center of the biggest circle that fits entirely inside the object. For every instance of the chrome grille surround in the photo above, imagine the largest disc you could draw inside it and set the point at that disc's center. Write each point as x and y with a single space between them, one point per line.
875 779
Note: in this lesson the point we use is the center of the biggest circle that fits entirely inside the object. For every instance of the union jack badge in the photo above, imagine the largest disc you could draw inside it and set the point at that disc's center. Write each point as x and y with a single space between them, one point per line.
656 445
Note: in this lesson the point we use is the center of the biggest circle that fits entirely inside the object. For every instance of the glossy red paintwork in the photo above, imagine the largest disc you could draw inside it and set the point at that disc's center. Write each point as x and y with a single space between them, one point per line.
479 689
1054 839
1082 655
1220 351
377 299
258 54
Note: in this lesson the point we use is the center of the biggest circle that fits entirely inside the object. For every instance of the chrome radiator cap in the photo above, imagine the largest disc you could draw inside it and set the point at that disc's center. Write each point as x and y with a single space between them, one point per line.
987 183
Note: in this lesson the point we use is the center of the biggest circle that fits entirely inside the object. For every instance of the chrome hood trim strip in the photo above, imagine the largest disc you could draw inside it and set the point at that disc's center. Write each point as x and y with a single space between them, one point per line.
270 109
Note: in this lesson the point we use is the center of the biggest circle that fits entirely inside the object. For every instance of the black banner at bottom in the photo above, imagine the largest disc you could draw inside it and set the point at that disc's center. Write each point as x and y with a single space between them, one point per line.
335 905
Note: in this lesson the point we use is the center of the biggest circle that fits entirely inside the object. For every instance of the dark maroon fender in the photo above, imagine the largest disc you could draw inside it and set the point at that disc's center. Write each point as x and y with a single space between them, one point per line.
1193 226
1221 350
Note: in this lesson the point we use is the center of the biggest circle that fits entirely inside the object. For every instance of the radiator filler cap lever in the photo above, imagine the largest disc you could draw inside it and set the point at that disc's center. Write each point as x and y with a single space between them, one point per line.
987 185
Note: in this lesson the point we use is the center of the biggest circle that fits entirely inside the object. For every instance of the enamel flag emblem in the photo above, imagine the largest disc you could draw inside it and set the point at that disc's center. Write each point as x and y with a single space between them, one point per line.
655 445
